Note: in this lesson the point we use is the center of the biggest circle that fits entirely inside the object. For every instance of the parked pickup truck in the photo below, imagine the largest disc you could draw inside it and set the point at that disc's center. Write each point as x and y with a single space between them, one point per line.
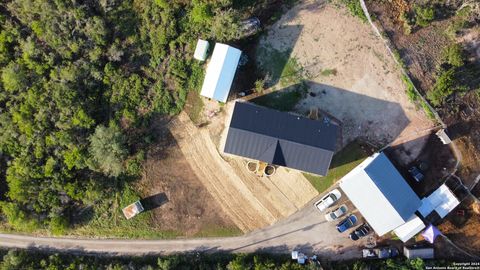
328 200
380 253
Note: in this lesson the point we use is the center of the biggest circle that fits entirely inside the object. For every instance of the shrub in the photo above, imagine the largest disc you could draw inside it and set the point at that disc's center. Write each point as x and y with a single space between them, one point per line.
445 86
225 26
259 86
408 23
134 165
13 77
454 27
201 12
329 71
424 15
17 218
453 55
58 225
355 9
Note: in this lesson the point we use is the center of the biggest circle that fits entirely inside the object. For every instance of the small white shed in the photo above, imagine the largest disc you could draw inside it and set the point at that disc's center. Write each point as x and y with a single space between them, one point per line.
220 72
201 50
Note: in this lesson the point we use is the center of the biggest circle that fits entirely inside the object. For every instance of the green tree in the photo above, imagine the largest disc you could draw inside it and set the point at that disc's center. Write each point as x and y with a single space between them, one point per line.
201 12
14 77
240 262
225 26
14 260
107 149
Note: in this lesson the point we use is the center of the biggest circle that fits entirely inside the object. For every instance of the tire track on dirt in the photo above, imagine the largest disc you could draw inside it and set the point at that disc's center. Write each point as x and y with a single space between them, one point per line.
218 177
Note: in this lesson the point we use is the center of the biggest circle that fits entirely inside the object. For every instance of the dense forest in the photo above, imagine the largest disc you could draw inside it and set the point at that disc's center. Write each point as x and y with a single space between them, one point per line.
80 82
26 260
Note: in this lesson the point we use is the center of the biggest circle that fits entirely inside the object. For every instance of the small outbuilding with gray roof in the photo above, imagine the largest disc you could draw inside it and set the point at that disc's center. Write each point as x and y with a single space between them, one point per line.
281 138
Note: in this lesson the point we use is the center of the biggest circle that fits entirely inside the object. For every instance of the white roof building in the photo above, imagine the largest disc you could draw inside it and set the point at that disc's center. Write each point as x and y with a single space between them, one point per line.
442 201
410 228
220 72
380 193
201 50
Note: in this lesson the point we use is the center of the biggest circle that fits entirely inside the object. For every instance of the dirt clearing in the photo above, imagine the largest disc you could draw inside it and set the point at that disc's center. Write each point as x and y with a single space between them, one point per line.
251 202
348 71
181 202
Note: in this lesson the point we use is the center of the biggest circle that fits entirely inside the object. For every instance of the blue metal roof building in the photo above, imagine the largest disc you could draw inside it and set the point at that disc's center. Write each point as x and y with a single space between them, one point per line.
380 193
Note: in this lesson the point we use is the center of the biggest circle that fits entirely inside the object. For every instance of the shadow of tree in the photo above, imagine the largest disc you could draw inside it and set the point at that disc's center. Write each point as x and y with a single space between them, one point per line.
275 61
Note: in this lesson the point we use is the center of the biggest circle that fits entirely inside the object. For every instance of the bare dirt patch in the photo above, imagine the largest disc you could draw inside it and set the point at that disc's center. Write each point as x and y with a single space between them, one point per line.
184 204
463 229
349 72
250 201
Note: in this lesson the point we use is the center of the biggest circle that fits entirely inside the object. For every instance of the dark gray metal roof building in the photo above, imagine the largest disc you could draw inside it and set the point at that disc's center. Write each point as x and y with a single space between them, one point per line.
281 138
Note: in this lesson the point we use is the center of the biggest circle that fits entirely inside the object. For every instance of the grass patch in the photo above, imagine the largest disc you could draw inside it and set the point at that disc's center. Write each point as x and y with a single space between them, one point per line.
411 93
355 9
328 72
342 163
280 67
428 111
284 100
398 57
217 231
291 73
272 62
194 107
107 220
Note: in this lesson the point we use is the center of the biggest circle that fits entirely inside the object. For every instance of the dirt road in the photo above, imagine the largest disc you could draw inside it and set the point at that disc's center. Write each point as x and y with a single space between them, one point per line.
306 231
251 202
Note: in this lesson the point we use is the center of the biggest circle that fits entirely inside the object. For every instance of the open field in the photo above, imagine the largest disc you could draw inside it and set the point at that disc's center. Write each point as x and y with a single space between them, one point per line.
347 71
183 203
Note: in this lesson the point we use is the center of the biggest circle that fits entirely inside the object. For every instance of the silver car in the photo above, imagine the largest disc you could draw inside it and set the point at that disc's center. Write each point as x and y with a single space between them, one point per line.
328 200
335 214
